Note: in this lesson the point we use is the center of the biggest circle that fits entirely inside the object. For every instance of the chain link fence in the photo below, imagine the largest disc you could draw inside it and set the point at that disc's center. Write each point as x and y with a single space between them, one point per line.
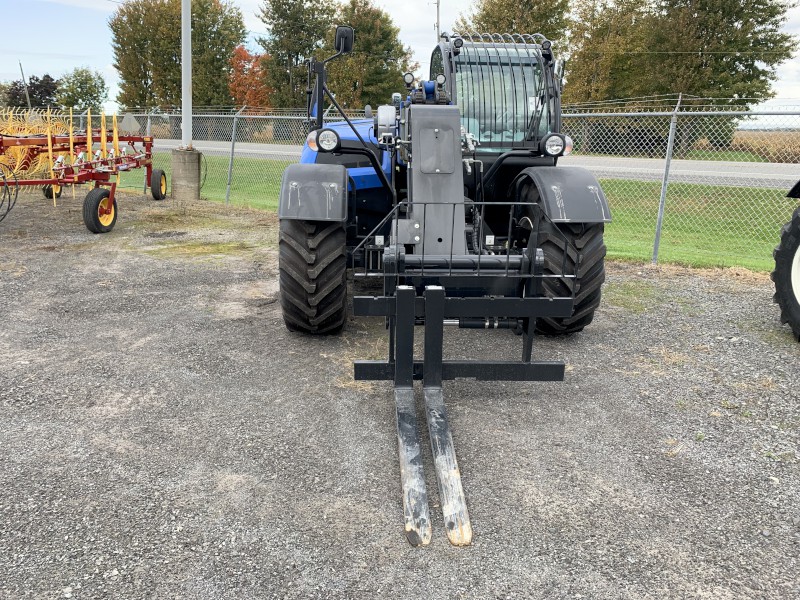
701 187
687 185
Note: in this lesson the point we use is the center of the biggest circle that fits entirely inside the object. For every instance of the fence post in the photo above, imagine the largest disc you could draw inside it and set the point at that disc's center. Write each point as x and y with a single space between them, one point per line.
673 122
230 162
147 132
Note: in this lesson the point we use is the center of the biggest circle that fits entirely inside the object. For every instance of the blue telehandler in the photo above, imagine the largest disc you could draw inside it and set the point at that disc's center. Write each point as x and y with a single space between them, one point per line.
452 197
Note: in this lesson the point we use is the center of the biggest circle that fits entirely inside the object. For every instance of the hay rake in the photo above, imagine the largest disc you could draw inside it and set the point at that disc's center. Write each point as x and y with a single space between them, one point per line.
47 152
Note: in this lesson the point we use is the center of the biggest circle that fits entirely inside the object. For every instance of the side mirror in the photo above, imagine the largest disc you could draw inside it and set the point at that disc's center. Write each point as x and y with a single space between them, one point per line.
344 39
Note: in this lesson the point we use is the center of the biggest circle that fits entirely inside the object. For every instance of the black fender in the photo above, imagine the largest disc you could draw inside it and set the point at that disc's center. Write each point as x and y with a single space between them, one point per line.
795 191
314 192
568 194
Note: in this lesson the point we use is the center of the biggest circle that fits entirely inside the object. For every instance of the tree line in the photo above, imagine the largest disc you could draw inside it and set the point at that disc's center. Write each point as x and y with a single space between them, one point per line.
79 89
615 50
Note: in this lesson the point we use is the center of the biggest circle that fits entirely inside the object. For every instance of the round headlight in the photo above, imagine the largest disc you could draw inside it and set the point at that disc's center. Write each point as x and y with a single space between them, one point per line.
311 141
458 42
408 78
554 145
328 140
440 79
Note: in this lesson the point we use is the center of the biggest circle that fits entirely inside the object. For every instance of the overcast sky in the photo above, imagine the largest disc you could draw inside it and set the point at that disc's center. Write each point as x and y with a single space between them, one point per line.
55 36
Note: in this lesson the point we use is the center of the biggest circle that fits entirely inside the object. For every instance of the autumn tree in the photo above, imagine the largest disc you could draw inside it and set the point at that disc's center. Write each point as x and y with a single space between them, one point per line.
375 68
295 30
81 89
609 41
146 40
518 16
704 48
247 82
723 48
42 92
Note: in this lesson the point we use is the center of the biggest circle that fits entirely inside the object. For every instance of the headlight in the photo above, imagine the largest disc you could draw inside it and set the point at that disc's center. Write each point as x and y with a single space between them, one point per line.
440 79
553 145
311 140
328 140
408 78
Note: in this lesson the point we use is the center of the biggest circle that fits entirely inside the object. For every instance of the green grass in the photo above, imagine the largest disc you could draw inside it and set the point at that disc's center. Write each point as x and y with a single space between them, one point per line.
729 155
704 226
256 182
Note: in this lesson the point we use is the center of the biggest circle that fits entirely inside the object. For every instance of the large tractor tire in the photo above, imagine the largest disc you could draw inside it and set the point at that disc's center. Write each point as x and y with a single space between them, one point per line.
582 244
313 275
787 274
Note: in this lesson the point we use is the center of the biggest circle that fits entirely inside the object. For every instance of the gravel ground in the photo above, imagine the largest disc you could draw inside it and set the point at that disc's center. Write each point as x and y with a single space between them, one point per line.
164 436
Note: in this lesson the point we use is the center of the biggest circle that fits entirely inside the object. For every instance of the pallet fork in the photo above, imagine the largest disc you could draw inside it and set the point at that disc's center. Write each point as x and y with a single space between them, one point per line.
404 309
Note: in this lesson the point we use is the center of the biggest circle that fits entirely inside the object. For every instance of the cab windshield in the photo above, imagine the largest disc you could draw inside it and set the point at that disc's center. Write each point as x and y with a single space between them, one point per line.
500 92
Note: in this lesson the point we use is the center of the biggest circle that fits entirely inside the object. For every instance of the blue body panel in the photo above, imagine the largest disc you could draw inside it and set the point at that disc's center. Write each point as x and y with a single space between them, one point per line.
363 177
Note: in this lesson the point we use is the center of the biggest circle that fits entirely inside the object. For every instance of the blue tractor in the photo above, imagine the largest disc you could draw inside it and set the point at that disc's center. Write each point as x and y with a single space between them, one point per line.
452 196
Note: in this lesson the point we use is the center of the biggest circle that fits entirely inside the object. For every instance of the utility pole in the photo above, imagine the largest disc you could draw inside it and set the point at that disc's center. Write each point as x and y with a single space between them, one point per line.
185 159
438 2
186 72
25 83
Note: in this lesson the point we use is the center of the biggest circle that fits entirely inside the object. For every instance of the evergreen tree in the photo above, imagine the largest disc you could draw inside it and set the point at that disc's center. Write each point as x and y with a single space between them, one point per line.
375 68
296 29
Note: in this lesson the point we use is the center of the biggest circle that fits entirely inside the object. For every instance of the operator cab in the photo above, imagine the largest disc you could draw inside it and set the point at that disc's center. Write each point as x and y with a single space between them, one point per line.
503 87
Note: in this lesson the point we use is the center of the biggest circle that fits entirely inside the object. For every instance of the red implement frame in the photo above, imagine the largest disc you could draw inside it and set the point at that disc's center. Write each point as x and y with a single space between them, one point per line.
99 171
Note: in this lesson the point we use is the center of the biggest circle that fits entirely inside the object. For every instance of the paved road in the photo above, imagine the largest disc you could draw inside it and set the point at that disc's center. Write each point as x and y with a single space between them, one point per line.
744 174
739 174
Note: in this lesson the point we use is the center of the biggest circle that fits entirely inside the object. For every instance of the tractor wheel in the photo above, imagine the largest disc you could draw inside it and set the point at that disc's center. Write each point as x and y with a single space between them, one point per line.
312 261
584 248
158 184
787 274
49 190
96 213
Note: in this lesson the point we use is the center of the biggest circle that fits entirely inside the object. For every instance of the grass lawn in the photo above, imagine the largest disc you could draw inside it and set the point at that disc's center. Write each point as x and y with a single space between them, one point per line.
256 182
729 155
704 226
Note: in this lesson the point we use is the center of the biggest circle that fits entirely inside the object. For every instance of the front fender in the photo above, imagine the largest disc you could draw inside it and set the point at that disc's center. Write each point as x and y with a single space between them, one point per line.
569 194
311 192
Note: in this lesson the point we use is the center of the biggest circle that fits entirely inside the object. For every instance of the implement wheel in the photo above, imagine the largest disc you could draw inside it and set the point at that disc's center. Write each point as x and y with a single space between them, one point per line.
99 212
50 190
585 248
313 274
787 274
158 184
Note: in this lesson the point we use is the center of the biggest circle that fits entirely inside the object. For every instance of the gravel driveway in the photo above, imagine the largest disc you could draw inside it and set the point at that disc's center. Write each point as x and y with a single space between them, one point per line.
164 436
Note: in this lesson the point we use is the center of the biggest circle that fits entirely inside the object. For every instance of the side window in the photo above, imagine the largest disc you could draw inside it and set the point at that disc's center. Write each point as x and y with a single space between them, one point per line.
437 63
